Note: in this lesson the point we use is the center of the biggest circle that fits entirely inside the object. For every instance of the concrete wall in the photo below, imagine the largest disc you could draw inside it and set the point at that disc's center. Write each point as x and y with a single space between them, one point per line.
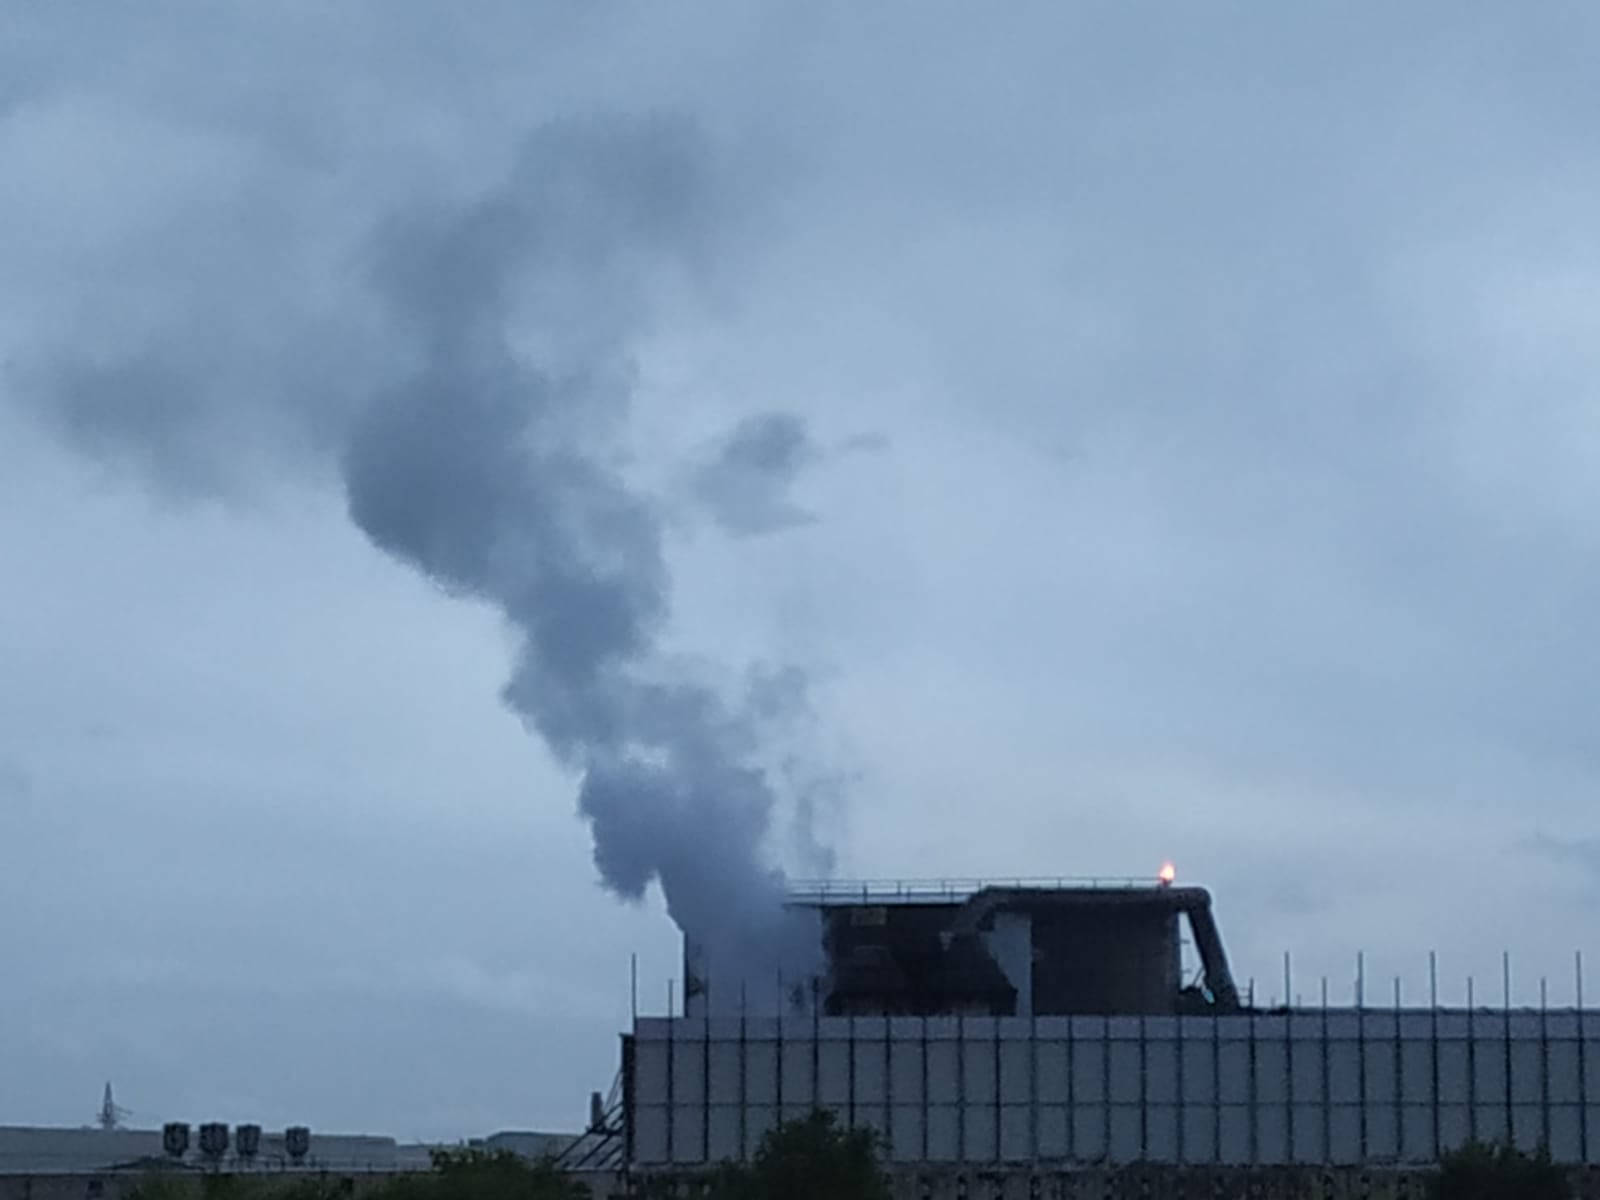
1341 1087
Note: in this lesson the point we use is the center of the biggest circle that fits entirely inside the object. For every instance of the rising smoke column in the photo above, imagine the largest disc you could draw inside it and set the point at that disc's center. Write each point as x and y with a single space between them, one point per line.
486 469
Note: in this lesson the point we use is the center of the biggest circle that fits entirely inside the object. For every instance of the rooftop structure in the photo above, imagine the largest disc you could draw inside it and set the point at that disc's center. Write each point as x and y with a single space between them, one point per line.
1052 947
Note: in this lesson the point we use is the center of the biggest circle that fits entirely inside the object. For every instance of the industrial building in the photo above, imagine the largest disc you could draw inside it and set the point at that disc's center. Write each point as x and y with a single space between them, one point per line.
1021 1026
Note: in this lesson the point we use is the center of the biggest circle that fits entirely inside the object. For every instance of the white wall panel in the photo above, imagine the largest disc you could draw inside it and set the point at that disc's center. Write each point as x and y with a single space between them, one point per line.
1161 1072
833 1072
944 1072
1125 1073
1198 1125
1563 1067
1527 1125
979 1080
905 1073
1307 1064
725 1142
1088 1132
1126 1131
1307 1135
1381 1080
650 1072
1272 1134
1016 1070
944 1133
1455 1126
650 1134
1233 1133
1233 1070
1344 1072
1416 1071
759 1120
1344 1134
1088 1072
980 1132
1272 1073
906 1133
1016 1132
1198 1061
1083 1090
872 1073
1161 1133
1489 1070
798 1075
688 1130
1527 1072
761 1073
726 1072
1054 1131
1416 1134
1051 1066
1566 1133
688 1079
1382 1125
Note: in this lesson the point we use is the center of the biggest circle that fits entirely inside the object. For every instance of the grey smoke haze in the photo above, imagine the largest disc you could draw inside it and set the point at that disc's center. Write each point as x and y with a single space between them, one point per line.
480 471
1240 364
491 461
745 483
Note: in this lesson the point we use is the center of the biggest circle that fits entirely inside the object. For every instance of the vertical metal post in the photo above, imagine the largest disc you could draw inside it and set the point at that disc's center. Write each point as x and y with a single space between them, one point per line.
1505 1032
672 1082
1072 1089
783 1011
999 1098
927 1100
1399 1080
704 1080
1327 1084
1252 1094
1216 1086
1288 1059
816 1045
1433 1057
1144 1091
633 989
961 1087
1361 1050
1181 1050
1105 1084
1472 1059
744 1071
850 1072
1583 1069
1544 1062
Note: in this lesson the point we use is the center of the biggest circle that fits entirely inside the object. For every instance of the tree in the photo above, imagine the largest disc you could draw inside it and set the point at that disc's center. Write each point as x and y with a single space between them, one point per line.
1481 1171
472 1174
804 1160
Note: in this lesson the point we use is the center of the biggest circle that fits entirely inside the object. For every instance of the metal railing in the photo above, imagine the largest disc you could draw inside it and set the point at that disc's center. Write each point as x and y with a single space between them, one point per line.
913 891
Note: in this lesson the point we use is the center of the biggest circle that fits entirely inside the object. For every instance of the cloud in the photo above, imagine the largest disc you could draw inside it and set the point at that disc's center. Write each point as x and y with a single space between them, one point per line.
745 483
15 781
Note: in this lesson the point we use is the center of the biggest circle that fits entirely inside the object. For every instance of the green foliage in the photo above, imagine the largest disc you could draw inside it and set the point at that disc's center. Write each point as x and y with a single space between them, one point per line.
804 1160
466 1174
471 1174
1481 1171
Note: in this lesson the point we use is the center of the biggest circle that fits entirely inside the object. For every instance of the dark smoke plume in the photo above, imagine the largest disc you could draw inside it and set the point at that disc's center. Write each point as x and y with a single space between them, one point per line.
486 471
488 462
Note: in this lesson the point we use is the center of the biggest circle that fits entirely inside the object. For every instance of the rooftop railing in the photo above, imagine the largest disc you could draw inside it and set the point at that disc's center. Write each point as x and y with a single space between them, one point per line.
922 891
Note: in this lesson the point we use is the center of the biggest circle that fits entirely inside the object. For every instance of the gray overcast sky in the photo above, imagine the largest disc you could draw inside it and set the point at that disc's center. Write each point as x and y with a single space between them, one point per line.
1152 431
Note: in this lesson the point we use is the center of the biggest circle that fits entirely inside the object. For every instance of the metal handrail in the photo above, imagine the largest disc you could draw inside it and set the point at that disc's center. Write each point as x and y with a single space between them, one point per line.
905 890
